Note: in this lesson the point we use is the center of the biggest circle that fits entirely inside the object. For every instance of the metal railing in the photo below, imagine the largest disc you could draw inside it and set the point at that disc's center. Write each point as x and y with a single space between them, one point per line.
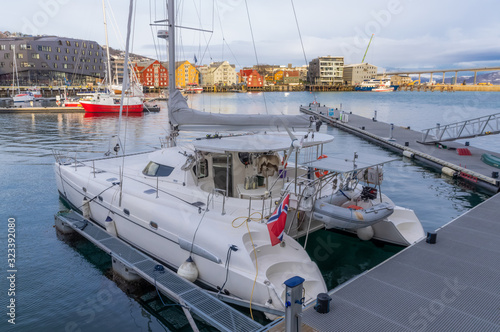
482 126
215 193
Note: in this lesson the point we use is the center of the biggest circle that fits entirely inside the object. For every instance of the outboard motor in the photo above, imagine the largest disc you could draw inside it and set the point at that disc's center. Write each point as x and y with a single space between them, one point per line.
368 193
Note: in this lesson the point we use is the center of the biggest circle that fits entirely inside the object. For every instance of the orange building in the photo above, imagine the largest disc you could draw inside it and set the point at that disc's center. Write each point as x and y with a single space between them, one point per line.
278 75
186 73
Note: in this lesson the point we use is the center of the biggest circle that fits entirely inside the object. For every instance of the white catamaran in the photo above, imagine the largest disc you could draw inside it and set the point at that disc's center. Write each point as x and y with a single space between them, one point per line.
205 208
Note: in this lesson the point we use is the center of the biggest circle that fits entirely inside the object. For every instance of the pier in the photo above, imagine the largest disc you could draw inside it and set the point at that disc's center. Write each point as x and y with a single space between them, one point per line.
448 87
130 263
453 159
49 91
324 88
448 282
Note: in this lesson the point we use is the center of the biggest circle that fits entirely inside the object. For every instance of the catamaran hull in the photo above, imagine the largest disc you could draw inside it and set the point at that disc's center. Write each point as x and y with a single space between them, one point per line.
401 226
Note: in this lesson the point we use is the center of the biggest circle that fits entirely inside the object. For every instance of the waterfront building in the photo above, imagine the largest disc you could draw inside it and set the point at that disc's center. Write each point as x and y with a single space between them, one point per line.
117 59
186 74
51 60
252 78
117 68
401 79
264 70
152 74
357 73
326 70
269 79
291 77
278 75
218 73
303 70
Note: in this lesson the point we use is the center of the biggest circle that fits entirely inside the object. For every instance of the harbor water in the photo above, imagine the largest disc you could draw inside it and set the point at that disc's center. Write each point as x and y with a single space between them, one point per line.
65 284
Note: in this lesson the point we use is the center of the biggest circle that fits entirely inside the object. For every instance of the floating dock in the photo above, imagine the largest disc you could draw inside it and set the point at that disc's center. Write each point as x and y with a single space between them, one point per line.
451 285
131 261
443 157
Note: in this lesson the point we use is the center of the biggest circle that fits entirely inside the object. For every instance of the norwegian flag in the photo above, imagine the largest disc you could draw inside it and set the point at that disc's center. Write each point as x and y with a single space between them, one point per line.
276 223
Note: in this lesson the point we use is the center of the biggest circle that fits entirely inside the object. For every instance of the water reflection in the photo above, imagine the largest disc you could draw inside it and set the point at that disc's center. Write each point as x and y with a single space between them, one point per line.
26 141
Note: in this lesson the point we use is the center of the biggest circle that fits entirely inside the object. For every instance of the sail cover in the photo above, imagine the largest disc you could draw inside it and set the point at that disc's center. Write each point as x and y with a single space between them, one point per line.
183 117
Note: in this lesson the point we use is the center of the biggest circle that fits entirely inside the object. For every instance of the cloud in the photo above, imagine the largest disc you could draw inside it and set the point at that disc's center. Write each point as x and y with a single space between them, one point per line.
418 34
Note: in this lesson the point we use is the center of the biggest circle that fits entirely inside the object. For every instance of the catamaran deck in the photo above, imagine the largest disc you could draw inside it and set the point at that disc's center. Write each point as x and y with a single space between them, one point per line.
451 285
469 168
189 295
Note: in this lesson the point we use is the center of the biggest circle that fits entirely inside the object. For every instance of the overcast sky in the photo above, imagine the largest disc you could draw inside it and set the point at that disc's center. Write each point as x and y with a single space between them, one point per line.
408 33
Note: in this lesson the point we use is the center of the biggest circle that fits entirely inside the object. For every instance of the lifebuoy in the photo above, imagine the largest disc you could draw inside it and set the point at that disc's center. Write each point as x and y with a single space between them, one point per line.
318 172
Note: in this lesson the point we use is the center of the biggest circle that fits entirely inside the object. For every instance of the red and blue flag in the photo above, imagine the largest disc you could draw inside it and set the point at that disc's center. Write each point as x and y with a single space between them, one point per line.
276 223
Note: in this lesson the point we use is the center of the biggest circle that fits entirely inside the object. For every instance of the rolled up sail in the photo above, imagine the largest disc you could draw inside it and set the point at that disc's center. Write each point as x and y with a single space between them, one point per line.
182 117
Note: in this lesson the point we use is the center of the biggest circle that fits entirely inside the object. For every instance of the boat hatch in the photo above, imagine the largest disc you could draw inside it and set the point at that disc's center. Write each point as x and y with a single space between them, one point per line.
155 169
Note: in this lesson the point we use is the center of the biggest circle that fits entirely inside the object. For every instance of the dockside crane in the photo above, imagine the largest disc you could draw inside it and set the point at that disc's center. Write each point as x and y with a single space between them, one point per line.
364 56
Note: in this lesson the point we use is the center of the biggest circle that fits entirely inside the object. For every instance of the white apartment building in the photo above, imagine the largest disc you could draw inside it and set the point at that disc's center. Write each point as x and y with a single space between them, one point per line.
327 70
221 73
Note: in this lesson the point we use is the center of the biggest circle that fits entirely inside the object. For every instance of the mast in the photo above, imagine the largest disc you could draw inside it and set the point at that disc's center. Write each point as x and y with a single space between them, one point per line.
171 47
14 73
125 82
107 44
13 70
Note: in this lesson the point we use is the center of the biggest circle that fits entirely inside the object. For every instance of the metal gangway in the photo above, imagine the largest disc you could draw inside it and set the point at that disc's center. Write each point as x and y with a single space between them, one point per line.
482 126
192 298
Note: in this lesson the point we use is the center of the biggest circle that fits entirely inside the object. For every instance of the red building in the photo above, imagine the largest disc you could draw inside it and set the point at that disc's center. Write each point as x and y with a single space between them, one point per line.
252 78
152 74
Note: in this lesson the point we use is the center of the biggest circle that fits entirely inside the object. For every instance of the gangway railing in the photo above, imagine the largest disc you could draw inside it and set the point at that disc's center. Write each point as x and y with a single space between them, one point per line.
482 126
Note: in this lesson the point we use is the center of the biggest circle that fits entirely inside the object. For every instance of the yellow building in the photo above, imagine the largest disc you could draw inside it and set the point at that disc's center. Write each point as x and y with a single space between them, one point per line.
278 75
186 73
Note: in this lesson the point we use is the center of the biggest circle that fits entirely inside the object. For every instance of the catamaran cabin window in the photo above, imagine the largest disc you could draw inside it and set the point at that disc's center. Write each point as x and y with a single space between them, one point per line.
154 169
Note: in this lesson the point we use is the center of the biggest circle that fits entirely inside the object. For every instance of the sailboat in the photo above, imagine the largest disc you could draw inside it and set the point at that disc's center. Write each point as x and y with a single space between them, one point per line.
109 102
31 94
199 204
